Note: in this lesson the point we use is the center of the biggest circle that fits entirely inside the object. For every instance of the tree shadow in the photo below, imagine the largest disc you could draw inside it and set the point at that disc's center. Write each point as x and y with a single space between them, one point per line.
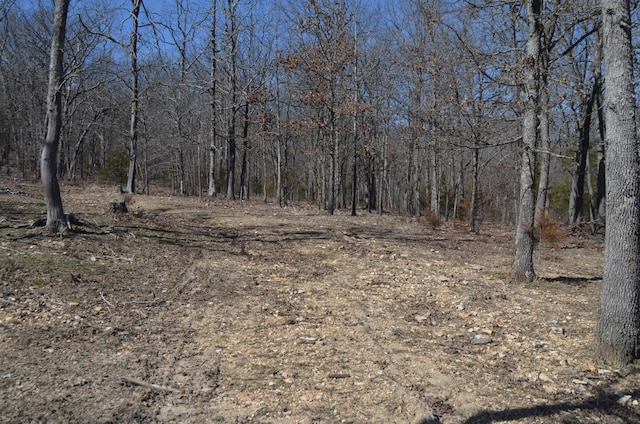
604 406
572 281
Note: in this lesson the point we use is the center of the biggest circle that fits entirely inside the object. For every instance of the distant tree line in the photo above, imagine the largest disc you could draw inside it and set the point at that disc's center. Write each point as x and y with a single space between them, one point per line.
414 107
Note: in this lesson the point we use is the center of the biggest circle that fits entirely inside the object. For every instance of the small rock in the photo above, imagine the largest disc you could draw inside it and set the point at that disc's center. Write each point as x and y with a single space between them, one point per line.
624 400
556 330
536 343
479 339
420 318
460 307
544 378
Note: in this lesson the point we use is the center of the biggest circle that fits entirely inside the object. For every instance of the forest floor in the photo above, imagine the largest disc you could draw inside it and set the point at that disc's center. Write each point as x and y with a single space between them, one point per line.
207 311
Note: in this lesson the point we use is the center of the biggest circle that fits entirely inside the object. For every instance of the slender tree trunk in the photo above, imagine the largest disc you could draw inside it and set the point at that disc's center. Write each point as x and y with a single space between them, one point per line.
598 203
334 160
135 100
576 200
542 198
473 206
435 184
618 330
522 270
278 140
231 132
56 221
211 192
354 177
244 172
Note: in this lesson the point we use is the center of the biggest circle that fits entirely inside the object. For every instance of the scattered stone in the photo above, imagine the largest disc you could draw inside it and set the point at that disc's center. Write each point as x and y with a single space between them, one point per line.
460 307
537 343
420 318
556 330
480 339
544 378
308 340
624 400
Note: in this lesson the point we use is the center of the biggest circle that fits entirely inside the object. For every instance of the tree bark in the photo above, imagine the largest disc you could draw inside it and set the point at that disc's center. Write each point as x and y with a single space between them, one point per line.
618 330
214 109
576 200
231 131
56 221
135 100
473 204
522 270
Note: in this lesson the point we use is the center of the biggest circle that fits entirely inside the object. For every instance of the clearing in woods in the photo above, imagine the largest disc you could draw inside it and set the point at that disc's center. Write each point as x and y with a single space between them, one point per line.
200 311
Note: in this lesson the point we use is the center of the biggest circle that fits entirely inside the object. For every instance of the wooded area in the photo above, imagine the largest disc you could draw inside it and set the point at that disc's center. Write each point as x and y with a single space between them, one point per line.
431 108
415 106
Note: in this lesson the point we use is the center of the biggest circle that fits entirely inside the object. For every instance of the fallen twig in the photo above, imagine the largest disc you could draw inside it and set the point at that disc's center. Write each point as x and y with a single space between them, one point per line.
106 301
149 385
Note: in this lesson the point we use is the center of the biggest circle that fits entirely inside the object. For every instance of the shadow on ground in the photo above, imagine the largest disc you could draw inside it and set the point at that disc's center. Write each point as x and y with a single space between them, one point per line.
605 407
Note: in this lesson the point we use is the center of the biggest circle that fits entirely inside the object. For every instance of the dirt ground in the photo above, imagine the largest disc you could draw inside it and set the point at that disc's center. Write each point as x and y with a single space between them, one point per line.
206 311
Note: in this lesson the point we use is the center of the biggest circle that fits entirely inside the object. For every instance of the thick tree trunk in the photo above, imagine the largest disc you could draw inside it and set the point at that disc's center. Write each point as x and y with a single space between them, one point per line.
56 221
618 330
522 270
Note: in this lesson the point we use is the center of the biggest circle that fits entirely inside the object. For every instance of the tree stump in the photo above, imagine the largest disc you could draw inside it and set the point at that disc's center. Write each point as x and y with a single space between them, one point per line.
118 207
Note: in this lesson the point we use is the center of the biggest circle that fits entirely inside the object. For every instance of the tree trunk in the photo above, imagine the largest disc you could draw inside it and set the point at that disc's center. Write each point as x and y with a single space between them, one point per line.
522 270
244 170
56 221
214 109
618 330
576 200
473 206
435 185
598 203
542 199
231 133
135 100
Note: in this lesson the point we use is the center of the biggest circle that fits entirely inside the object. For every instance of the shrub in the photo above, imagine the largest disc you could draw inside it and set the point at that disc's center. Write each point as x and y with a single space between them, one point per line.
116 167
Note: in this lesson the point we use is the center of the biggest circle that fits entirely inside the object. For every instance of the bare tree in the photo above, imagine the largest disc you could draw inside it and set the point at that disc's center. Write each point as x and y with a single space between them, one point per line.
618 331
522 270
232 37
56 221
135 97
213 91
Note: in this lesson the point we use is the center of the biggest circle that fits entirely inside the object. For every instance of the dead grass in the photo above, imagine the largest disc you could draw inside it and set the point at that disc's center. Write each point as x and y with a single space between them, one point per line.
257 314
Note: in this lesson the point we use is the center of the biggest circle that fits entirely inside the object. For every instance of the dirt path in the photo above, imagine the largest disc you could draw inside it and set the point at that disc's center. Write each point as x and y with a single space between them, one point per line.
246 313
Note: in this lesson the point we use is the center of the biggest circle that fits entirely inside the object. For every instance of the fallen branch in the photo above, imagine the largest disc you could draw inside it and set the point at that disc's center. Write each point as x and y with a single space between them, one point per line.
149 385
